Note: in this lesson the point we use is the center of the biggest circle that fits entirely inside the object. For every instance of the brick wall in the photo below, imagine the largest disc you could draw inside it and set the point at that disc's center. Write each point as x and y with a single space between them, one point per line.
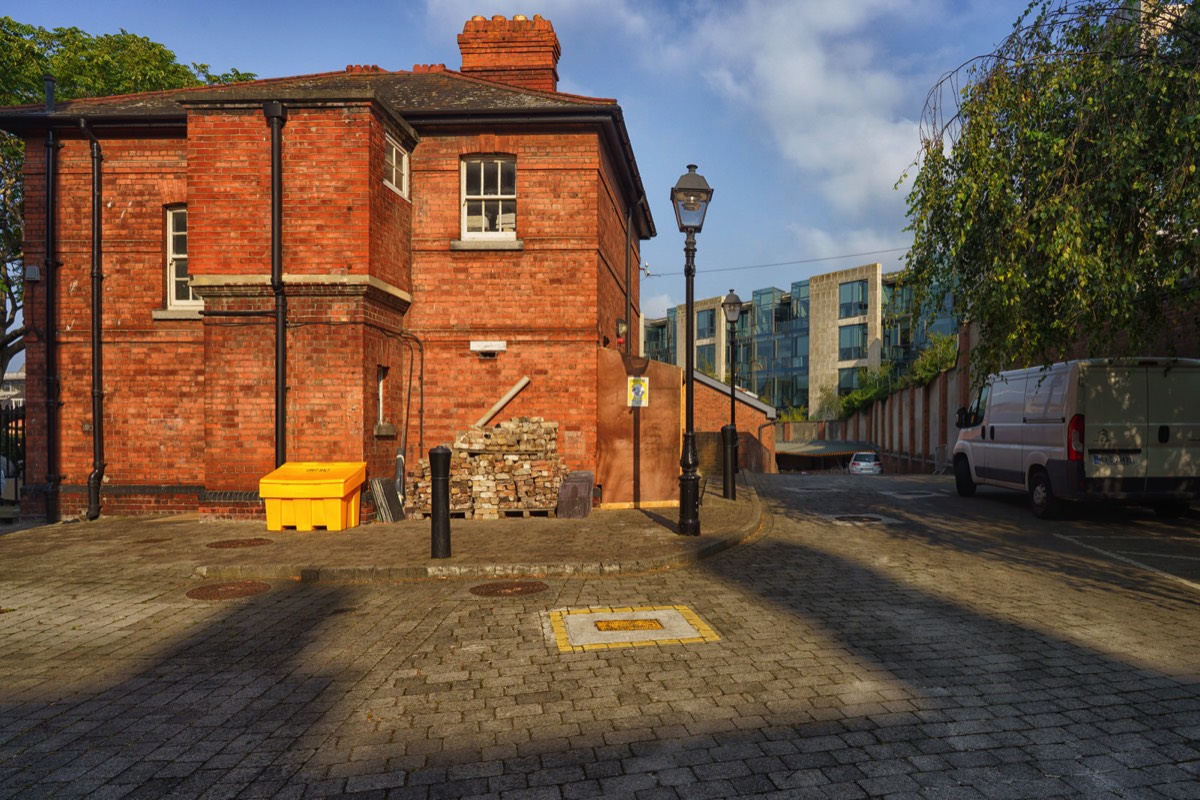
756 434
153 386
190 400
552 331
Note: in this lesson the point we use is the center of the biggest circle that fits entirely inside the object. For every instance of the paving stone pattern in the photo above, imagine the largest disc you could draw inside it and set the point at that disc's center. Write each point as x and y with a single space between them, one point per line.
898 660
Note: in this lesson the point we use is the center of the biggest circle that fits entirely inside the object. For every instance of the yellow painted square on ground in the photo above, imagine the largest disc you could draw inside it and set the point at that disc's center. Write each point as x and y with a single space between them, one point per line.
581 629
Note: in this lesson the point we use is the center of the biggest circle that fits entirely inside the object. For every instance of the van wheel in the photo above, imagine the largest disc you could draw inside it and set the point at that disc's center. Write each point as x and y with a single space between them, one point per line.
962 478
1170 509
1041 496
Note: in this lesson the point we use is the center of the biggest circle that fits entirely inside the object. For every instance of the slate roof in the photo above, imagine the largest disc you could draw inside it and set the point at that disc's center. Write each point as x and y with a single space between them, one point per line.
423 96
430 90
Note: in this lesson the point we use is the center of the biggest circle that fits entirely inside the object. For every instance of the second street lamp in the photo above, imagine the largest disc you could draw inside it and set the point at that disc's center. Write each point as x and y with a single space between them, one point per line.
732 306
690 197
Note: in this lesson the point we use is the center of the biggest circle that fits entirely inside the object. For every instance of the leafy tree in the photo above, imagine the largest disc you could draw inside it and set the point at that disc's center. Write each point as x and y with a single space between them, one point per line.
828 405
83 66
939 355
1058 196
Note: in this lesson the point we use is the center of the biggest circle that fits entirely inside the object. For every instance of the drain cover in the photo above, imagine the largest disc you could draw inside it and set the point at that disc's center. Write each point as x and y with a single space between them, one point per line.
228 591
228 543
858 518
508 588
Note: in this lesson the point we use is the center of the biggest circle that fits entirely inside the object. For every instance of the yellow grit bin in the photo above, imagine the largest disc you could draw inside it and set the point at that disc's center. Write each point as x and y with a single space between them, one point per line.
311 494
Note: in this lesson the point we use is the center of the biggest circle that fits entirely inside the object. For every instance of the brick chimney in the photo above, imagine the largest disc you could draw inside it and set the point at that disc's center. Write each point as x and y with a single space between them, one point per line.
519 51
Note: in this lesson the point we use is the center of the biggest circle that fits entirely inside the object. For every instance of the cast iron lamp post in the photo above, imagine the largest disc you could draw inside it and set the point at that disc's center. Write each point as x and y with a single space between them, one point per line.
690 196
732 306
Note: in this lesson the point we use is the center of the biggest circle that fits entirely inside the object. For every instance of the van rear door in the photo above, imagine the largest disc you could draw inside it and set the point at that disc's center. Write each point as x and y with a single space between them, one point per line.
1115 426
1173 446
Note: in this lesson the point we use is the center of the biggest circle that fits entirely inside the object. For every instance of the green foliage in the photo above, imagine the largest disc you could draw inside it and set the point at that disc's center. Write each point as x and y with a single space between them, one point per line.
873 384
793 414
828 405
1060 201
83 66
939 355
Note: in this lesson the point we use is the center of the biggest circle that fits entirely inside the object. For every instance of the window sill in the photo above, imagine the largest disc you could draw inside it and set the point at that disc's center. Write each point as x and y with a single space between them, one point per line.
487 244
175 313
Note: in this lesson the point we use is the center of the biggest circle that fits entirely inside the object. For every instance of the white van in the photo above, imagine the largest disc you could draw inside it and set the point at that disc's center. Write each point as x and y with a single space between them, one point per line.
1098 429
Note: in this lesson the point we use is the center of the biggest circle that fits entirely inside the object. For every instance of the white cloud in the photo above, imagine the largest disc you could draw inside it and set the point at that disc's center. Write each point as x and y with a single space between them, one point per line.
655 306
853 247
817 77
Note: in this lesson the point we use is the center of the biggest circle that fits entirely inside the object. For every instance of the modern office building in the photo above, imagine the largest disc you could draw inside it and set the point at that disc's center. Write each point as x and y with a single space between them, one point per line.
790 347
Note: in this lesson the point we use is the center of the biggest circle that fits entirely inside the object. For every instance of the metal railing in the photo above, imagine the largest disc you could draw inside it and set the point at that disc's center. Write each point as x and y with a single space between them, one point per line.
12 453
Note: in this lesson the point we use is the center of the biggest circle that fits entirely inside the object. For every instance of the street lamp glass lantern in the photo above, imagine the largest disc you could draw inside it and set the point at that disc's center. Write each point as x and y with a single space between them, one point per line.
732 306
690 197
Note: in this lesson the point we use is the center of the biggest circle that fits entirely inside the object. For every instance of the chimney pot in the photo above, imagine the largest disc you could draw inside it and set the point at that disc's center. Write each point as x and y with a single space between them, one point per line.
519 52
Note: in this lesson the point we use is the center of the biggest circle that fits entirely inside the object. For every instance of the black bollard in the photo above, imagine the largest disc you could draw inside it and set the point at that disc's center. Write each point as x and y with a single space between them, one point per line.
439 528
729 442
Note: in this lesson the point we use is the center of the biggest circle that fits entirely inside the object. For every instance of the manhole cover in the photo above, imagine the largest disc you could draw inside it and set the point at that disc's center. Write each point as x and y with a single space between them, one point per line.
151 541
228 543
228 591
858 518
508 588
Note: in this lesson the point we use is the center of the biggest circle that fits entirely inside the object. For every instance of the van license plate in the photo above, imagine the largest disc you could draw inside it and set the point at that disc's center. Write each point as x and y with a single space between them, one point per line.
1112 459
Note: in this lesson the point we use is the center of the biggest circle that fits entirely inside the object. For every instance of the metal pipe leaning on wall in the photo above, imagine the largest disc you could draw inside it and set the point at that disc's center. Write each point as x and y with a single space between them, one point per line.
502 402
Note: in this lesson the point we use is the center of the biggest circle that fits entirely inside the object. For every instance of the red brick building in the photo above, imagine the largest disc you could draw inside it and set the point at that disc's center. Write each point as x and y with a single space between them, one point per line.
422 240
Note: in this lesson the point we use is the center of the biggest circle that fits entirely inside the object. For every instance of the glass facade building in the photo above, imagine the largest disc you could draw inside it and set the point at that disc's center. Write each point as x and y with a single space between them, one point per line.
791 345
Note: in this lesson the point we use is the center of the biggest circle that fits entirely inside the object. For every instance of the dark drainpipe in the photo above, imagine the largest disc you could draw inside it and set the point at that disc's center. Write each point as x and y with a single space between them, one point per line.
276 114
51 332
97 475
628 278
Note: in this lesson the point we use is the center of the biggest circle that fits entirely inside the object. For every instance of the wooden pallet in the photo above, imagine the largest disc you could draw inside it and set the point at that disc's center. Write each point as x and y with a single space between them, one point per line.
423 515
527 512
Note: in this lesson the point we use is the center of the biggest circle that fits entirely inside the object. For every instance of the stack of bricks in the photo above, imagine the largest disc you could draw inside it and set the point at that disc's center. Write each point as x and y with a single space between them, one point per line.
494 472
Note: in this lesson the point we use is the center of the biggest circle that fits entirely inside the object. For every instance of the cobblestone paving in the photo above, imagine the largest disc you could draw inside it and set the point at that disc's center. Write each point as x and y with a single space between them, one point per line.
977 658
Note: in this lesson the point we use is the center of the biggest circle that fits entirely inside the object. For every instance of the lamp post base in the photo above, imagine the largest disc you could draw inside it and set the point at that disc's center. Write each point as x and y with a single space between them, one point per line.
729 443
689 504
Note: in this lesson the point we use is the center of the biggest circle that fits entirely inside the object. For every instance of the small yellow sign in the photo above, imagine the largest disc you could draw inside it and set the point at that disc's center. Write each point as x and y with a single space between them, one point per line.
639 392
629 625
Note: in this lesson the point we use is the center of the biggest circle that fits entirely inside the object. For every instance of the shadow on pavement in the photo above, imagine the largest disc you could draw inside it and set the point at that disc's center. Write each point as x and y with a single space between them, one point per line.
233 705
832 679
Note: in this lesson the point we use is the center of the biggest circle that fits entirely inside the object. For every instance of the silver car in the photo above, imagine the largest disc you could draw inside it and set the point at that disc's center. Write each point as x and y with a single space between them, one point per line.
865 463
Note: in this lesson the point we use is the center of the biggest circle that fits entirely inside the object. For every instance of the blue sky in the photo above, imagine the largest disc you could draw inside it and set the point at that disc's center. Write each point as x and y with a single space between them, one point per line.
802 114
